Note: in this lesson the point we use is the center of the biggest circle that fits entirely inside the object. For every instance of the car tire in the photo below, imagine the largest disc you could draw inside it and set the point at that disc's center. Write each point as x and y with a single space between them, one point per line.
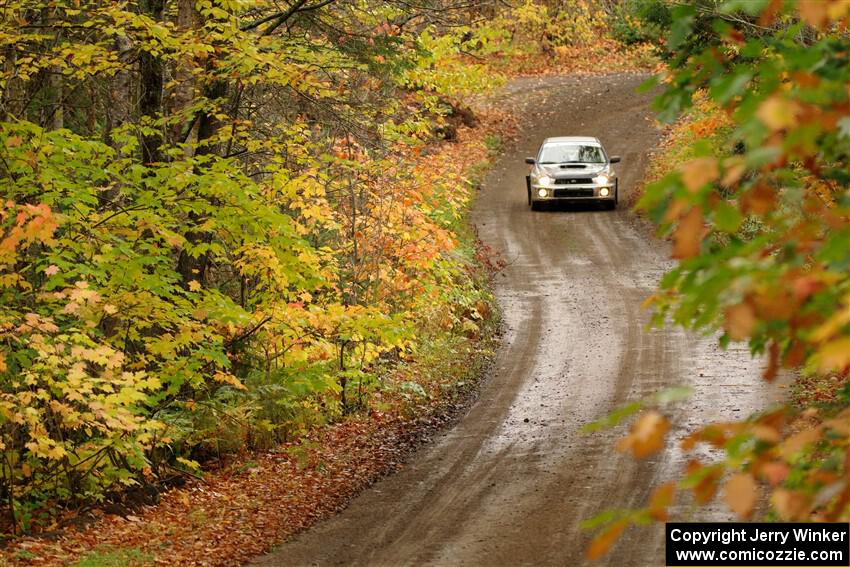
535 205
613 204
528 187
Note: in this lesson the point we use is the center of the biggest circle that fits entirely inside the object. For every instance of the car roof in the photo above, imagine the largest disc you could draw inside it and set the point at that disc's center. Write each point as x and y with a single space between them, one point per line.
582 139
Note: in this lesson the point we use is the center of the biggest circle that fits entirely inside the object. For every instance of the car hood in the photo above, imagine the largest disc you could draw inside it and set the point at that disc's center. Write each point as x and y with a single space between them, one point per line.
571 169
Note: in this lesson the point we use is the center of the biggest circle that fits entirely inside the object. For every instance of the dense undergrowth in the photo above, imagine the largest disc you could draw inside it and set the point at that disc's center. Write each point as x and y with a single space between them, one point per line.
285 487
220 231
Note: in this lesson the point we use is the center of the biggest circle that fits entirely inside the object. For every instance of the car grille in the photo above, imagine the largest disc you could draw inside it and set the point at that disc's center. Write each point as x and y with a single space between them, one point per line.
574 181
573 193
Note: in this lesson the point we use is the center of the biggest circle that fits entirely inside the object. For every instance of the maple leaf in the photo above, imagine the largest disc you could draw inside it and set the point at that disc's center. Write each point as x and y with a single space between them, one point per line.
600 545
646 436
194 285
734 169
661 499
56 452
699 172
759 199
834 356
774 472
740 321
794 444
707 478
740 493
772 369
688 235
814 12
790 505
778 113
228 378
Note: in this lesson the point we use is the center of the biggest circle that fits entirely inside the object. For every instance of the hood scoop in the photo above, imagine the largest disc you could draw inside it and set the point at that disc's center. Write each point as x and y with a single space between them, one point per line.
573 166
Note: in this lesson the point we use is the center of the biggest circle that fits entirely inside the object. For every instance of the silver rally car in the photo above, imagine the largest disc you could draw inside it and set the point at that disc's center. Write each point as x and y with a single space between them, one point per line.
572 168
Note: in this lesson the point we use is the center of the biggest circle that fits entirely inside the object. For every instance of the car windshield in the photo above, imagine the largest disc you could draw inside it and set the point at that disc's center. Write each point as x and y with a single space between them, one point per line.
571 152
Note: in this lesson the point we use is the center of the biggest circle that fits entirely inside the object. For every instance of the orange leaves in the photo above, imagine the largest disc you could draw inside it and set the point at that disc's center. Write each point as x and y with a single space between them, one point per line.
778 113
689 234
779 444
709 125
740 320
772 369
661 499
820 13
703 481
740 493
834 355
33 223
798 441
790 505
774 472
734 169
228 378
646 436
603 542
772 270
759 199
699 172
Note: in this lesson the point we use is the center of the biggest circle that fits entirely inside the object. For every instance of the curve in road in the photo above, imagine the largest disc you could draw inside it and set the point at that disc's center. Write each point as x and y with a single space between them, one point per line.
510 483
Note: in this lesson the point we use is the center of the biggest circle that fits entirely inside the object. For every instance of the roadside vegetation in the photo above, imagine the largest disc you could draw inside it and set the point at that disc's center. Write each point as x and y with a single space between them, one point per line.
221 231
234 255
751 186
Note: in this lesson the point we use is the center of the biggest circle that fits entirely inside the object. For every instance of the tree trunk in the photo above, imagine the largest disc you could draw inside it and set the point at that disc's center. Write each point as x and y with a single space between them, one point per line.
191 267
14 95
150 99
118 111
181 95
53 109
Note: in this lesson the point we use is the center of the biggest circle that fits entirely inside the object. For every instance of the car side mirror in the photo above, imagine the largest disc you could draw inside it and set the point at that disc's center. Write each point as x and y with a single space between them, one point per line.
615 159
530 160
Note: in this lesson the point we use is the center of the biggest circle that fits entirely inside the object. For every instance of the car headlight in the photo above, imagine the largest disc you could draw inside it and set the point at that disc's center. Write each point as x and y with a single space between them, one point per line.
542 192
601 179
603 192
544 180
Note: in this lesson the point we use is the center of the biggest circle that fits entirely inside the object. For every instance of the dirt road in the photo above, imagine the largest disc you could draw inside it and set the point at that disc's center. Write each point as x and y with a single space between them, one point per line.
509 484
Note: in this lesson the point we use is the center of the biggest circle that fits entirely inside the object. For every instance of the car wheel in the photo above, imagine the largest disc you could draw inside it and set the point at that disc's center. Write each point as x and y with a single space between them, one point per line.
528 188
613 204
535 205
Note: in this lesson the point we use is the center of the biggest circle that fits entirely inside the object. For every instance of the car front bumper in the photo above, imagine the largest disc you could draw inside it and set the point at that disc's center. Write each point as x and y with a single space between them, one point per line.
573 193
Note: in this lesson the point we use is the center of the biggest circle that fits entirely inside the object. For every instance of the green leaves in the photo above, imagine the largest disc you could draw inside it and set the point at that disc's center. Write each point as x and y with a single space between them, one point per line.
215 233
767 259
683 18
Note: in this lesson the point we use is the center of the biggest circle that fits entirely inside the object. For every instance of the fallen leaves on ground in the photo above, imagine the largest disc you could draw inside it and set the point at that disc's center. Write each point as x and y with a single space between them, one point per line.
603 56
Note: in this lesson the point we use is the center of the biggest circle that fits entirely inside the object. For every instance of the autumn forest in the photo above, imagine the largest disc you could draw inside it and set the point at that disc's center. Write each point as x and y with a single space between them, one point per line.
248 264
